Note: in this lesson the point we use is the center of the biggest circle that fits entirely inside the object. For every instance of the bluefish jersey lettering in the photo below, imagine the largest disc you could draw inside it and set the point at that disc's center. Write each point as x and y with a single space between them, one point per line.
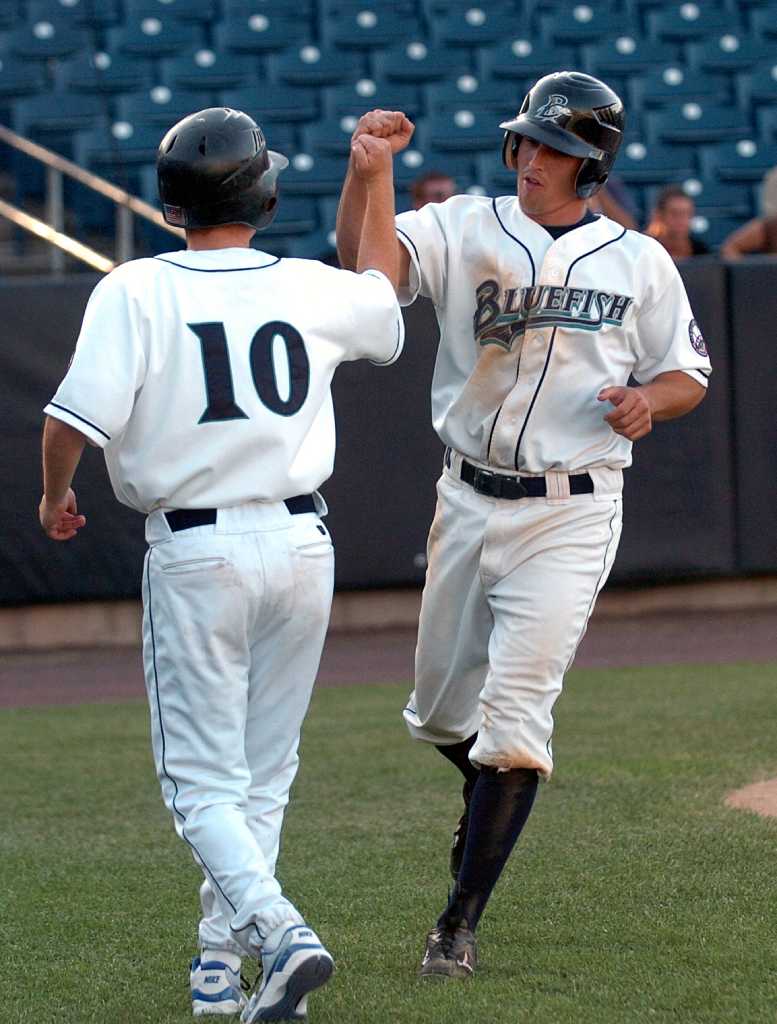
532 329
220 394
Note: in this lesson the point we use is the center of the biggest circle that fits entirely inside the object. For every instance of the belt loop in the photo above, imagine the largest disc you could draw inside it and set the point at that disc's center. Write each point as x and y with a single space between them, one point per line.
557 486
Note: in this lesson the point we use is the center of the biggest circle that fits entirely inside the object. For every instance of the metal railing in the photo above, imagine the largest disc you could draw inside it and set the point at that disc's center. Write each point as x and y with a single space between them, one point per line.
52 229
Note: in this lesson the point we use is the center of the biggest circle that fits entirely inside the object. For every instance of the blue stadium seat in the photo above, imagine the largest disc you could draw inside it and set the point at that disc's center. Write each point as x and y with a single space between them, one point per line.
208 69
90 13
57 112
687 21
103 72
261 33
763 21
368 29
296 216
746 160
471 93
367 94
527 59
319 245
766 117
20 78
160 106
284 8
9 14
155 36
265 101
204 11
698 122
413 162
312 66
330 137
713 229
726 199
314 175
761 86
111 150
46 39
730 52
627 54
418 62
587 22
479 25
464 130
674 82
639 163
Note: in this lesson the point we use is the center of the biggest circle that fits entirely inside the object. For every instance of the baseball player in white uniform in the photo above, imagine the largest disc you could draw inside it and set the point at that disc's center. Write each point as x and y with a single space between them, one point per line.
205 377
546 313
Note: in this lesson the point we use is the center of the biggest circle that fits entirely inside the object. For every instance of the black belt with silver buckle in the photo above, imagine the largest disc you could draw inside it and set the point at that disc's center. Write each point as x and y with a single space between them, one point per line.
186 518
502 485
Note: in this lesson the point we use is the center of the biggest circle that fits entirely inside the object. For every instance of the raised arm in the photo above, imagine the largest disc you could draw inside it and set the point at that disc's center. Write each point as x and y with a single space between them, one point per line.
393 126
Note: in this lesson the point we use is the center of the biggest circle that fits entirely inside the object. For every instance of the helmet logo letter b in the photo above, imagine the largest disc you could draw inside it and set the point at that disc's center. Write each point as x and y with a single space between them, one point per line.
553 107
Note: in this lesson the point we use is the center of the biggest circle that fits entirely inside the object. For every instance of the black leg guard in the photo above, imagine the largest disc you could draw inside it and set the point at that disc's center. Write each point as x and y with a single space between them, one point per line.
500 804
458 754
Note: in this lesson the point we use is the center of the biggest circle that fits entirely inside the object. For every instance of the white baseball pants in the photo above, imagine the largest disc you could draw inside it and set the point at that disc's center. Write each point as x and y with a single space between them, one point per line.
510 586
235 616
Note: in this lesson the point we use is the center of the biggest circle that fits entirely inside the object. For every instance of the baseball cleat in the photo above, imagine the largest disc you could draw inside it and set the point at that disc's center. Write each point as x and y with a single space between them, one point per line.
460 834
294 963
451 952
215 987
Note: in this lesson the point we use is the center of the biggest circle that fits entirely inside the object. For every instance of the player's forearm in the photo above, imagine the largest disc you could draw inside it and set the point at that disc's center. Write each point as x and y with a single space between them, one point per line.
62 450
751 237
673 394
350 218
379 248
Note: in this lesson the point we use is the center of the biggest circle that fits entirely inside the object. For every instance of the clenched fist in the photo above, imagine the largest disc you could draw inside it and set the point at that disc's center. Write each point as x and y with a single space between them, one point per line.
632 416
371 157
391 125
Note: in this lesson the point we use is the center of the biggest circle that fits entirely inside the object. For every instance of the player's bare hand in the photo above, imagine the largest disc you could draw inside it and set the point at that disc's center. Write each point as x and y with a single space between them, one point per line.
371 157
392 125
632 416
60 520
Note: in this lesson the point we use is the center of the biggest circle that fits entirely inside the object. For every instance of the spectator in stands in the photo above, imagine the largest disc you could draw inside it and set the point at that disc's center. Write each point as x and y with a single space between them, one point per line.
670 223
432 187
615 202
760 234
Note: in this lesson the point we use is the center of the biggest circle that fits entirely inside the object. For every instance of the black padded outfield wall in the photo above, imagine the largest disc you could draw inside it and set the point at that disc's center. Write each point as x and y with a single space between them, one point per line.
699 498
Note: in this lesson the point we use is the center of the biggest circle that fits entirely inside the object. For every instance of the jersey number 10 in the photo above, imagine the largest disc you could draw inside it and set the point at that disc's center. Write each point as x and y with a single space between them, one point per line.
218 370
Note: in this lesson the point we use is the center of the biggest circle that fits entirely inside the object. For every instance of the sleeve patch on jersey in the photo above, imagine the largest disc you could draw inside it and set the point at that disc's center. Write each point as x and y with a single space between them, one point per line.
697 339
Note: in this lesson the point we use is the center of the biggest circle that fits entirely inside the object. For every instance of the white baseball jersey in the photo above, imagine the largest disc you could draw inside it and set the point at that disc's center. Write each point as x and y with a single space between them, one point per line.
532 329
205 375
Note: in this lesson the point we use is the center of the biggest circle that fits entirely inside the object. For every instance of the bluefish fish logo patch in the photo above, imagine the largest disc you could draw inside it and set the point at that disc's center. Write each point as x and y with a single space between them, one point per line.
697 339
553 107
502 319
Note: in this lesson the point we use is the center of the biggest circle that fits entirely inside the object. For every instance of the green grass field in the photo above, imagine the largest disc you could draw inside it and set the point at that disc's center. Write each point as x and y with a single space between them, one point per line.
634 895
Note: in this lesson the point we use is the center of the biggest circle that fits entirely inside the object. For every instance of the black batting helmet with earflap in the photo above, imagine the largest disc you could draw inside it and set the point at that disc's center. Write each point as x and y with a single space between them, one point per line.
214 167
576 114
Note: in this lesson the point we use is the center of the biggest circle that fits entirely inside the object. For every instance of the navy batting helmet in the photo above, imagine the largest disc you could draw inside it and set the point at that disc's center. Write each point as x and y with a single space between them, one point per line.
214 167
576 114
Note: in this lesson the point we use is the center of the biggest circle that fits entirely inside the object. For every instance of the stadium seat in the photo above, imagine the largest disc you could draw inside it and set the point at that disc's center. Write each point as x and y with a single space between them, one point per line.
575 23
730 52
418 63
746 160
57 112
282 8
207 69
626 55
103 72
330 137
204 11
314 175
367 94
20 78
413 162
526 59
319 245
687 21
261 33
46 39
763 21
713 229
368 28
639 163
674 82
761 85
464 130
296 216
478 25
309 65
9 14
697 122
467 91
266 101
90 13
160 106
766 118
154 36
726 199
110 150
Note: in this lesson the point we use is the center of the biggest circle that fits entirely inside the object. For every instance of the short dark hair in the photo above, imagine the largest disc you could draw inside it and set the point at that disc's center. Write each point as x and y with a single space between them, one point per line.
418 184
668 193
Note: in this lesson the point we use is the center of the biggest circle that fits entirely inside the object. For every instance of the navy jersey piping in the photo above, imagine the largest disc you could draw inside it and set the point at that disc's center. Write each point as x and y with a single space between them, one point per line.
83 419
518 367
217 270
571 267
393 356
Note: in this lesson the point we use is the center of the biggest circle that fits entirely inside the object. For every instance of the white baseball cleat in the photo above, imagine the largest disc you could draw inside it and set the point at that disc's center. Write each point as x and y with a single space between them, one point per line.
294 963
215 985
